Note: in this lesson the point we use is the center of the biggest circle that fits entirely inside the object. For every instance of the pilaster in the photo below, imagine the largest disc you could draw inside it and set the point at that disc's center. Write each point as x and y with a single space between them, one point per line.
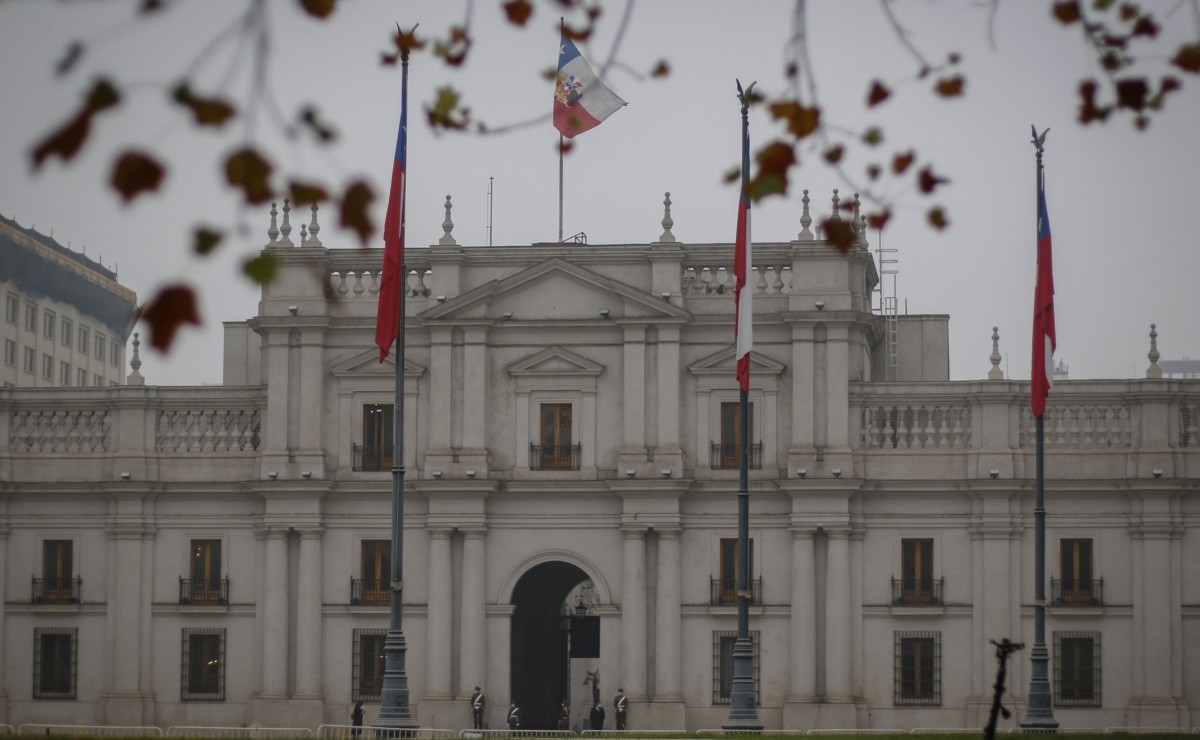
633 613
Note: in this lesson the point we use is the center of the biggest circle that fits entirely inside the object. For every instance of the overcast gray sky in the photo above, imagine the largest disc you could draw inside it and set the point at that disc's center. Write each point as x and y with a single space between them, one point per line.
1122 204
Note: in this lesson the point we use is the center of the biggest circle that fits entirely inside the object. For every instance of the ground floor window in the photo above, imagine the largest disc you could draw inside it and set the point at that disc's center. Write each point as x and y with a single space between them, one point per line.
1076 669
203 665
368 664
54 662
723 643
918 668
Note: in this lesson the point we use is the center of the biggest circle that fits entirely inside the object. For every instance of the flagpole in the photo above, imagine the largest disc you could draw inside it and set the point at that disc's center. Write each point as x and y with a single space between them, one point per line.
394 711
1039 713
560 188
743 714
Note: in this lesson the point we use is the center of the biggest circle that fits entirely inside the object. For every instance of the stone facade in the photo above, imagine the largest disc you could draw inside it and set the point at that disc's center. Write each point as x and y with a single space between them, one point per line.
565 435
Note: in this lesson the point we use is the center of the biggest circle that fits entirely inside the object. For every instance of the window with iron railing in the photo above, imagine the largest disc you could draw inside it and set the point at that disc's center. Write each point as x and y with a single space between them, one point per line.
1077 669
1077 586
725 453
368 664
1077 593
918 668
917 593
203 665
724 589
719 595
204 591
204 584
58 583
549 457
555 451
377 448
376 566
55 660
723 643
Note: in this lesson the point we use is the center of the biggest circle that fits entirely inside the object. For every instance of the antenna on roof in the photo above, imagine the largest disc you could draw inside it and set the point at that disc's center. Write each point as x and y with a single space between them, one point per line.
489 212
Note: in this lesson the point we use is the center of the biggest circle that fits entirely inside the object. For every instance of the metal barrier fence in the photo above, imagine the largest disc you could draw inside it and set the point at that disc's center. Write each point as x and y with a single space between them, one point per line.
89 730
860 732
7 730
238 733
487 734
639 733
347 732
1145 730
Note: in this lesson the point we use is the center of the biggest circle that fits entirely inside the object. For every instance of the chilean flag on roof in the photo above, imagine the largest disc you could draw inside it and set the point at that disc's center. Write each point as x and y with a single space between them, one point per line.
581 100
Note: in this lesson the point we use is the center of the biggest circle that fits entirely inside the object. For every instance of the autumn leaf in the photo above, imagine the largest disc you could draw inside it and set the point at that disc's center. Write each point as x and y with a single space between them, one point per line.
950 87
1188 58
801 121
261 269
839 233
135 173
1088 110
774 161
878 93
174 306
879 219
447 111
873 136
873 172
303 193
833 154
318 8
205 111
70 58
661 69
903 161
356 201
518 11
937 218
1066 12
928 182
205 240
249 171
309 119
1132 92
1145 26
67 140
453 50
151 6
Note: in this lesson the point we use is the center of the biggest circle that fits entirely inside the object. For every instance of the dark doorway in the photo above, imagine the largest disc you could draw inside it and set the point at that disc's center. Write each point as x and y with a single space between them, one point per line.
539 672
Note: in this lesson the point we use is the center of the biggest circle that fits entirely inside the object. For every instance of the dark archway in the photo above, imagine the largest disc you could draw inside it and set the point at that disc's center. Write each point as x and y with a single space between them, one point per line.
538 674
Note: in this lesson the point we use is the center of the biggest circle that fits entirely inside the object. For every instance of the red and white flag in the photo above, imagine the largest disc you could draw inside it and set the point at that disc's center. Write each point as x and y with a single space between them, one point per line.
744 328
391 284
1044 342
581 100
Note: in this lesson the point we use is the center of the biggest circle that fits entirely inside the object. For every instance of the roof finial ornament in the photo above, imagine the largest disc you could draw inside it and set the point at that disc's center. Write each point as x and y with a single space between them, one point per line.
273 232
835 216
304 235
667 221
313 228
805 220
447 239
1154 371
286 227
859 223
995 373
135 362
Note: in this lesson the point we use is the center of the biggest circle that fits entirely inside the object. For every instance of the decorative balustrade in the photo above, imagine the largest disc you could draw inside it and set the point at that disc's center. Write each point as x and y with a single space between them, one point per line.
911 427
204 591
352 284
726 457
702 280
1189 425
207 430
724 593
59 430
1080 425
56 590
1077 592
917 591
554 457
371 592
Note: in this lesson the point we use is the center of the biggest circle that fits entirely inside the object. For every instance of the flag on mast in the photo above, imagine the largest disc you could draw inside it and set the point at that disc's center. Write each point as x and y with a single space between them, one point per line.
391 284
744 328
1044 342
581 100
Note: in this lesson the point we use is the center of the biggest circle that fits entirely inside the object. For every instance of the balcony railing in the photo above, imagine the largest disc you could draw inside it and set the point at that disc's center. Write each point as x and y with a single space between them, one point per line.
554 457
725 457
372 457
724 593
204 591
56 590
917 592
1077 591
369 592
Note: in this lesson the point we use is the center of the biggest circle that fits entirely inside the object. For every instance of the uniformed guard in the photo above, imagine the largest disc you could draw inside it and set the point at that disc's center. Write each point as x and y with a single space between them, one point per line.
478 702
621 706
514 716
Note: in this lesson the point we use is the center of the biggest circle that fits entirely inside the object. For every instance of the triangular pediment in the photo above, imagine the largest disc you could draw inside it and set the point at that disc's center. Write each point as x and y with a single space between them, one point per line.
367 363
722 363
555 290
554 361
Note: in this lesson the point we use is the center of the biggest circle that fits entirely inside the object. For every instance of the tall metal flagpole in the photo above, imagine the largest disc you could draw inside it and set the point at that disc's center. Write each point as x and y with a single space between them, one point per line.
394 712
560 186
743 715
1039 714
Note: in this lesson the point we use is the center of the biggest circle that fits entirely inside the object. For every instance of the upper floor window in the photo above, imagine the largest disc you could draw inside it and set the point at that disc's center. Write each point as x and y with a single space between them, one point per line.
64 373
918 668
724 587
203 665
58 582
114 354
555 451
83 339
30 359
68 332
376 567
204 584
31 317
80 377
54 662
917 584
10 352
12 308
1077 669
1078 584
49 323
47 367
377 447
100 346
725 453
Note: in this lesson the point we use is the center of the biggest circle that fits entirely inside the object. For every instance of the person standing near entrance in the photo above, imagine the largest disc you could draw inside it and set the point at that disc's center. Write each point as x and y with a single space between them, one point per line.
597 716
356 720
621 706
514 716
564 716
478 702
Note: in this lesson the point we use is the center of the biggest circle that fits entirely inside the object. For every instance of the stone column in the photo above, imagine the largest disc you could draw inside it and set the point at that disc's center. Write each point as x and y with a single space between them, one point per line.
837 616
633 437
633 614
308 616
124 609
438 620
473 650
668 389
275 615
668 639
802 667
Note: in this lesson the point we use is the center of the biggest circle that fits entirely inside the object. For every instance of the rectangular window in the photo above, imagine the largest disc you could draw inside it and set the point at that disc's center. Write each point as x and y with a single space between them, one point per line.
555 453
114 354
368 664
12 308
49 322
1076 560
10 352
30 317
83 339
916 571
58 570
64 373
918 668
47 367
727 583
205 572
726 454
723 643
376 568
377 446
100 346
1076 669
30 359
54 662
81 377
68 332
203 665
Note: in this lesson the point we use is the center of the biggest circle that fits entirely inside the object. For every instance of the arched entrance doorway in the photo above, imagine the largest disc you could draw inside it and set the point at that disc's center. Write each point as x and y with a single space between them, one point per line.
539 671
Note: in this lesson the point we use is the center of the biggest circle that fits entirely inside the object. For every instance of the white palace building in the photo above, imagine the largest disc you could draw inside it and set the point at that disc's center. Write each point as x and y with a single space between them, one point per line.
218 555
